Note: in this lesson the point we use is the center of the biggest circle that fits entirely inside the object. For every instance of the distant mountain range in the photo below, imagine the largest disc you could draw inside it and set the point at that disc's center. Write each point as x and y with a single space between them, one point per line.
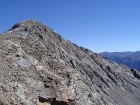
130 59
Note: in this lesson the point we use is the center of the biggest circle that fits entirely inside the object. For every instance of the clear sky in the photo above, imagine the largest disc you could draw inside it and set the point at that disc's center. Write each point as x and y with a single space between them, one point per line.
99 25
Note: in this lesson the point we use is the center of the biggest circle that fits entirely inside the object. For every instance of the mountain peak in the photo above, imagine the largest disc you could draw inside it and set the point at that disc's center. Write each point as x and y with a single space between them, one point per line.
33 27
39 67
27 24
30 22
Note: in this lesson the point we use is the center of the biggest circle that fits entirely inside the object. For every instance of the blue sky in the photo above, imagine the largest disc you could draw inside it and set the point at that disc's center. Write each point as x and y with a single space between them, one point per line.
99 25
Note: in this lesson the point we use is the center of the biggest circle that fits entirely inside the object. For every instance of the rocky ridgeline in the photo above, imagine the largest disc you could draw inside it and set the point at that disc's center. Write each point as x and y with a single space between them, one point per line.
39 67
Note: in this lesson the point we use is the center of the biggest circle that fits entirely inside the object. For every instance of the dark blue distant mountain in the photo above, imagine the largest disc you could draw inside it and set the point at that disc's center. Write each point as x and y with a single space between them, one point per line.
130 59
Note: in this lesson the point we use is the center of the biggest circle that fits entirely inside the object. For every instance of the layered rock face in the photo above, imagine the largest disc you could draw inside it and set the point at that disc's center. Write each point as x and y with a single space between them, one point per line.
39 67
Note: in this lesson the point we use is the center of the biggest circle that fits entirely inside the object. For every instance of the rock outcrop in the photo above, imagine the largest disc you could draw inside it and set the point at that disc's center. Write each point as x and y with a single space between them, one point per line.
39 67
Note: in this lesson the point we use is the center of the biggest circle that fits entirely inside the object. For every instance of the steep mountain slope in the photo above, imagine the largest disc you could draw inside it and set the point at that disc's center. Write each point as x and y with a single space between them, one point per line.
130 59
39 67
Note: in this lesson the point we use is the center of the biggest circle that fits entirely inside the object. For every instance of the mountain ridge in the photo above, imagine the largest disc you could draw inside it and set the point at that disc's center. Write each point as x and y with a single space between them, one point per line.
130 59
39 67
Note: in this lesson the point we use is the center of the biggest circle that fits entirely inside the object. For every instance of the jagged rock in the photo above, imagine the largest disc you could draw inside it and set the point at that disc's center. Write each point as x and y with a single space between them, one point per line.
39 67
135 73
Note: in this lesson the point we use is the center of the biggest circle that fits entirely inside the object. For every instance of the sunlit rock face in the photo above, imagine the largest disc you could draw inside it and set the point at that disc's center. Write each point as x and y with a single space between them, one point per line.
39 67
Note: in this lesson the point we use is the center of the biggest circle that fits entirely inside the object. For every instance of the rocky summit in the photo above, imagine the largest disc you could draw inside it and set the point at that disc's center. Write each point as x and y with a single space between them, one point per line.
39 67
